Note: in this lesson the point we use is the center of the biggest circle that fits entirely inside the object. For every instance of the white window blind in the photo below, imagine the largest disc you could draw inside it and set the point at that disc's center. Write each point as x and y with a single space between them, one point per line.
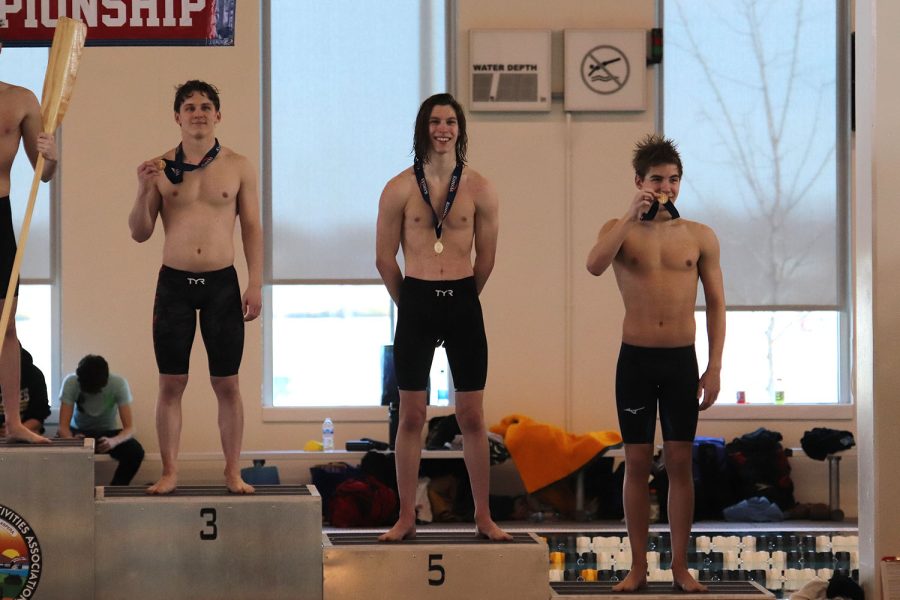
347 78
750 97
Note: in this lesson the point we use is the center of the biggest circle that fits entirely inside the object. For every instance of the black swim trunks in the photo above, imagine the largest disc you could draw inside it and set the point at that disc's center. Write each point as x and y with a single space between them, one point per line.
179 295
435 312
7 246
647 375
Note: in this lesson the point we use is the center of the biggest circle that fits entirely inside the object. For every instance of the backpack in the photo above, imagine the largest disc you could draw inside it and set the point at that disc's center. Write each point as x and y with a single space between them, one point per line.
713 485
762 467
327 477
441 431
363 502
819 442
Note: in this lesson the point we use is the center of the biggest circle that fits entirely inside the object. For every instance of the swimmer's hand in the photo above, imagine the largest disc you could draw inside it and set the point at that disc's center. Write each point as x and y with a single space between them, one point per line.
640 205
708 388
46 145
252 303
149 170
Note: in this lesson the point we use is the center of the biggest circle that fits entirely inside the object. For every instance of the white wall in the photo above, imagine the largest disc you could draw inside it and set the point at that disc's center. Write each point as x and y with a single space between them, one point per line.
121 115
877 285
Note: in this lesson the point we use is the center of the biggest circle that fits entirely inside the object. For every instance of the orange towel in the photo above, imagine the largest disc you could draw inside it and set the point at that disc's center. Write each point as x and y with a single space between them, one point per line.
545 454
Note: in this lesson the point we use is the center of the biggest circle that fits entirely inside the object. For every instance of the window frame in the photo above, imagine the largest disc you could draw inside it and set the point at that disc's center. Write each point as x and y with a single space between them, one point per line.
314 414
844 409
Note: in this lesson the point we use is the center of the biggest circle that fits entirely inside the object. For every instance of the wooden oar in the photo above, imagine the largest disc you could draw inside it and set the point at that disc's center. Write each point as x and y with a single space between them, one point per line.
62 66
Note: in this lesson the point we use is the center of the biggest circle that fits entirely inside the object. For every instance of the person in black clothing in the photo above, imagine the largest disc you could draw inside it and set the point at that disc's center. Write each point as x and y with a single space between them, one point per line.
34 405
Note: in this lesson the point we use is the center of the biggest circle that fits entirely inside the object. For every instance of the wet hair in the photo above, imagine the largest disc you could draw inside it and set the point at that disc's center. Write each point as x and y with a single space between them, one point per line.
196 86
421 139
652 151
92 373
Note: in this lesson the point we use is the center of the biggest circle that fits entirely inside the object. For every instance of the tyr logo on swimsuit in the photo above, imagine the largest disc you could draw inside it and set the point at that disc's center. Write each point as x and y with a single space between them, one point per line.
440 293
196 281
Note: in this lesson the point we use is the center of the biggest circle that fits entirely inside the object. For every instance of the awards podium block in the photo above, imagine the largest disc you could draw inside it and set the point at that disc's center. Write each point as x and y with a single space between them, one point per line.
718 590
47 520
434 565
203 543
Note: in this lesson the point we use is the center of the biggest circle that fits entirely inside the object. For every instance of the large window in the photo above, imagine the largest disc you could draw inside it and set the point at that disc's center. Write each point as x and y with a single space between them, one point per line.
25 67
343 82
752 96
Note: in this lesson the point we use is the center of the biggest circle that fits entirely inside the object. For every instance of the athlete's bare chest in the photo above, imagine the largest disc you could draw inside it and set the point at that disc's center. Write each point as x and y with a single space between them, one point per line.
440 204
10 119
461 212
213 186
654 250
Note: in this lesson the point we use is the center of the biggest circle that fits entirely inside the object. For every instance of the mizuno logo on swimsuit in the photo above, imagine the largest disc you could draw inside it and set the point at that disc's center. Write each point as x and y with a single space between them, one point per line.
635 411
197 281
441 293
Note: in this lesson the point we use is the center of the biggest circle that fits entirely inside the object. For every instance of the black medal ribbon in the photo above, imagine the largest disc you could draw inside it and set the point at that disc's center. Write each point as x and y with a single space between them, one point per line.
175 169
451 194
654 208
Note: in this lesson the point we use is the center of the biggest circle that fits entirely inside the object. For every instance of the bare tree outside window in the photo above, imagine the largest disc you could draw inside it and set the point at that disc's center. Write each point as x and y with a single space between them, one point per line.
750 96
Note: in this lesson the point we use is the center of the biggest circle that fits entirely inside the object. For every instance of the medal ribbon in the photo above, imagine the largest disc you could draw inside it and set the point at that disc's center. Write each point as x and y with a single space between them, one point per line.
654 208
175 169
451 194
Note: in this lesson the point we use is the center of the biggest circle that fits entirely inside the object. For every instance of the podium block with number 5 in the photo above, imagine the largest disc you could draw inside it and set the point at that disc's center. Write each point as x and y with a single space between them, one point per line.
434 565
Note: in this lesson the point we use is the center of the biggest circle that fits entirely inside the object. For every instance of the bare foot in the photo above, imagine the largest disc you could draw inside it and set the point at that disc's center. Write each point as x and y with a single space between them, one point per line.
635 580
683 581
23 434
399 532
236 485
491 531
165 485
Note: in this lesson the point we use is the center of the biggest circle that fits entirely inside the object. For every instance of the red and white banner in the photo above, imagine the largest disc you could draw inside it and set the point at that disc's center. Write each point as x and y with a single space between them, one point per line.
121 22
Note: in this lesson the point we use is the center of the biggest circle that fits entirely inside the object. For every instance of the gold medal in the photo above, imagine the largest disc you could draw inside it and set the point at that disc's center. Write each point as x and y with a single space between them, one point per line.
662 198
438 247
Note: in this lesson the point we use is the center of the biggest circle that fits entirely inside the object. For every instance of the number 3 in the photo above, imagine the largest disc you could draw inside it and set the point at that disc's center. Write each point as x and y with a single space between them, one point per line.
213 530
434 567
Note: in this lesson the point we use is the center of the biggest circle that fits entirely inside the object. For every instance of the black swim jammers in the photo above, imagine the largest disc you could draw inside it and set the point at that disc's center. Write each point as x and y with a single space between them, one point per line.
7 246
179 295
432 312
645 375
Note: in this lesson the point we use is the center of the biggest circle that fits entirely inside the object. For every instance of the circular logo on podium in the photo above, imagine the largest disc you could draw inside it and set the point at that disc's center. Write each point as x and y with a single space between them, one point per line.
20 556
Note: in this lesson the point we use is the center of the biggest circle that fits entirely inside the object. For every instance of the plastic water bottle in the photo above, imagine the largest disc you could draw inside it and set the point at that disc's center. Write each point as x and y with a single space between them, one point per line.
327 434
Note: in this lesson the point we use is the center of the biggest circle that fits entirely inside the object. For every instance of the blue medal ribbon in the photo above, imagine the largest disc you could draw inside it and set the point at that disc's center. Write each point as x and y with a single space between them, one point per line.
175 169
451 194
654 208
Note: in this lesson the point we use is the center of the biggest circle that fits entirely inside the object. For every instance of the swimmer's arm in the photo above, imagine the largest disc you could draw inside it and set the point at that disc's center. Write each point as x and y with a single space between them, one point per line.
387 235
609 241
35 140
612 235
714 292
252 237
142 219
487 227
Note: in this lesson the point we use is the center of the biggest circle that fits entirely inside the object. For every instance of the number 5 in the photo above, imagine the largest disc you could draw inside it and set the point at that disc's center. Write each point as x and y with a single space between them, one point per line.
435 567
